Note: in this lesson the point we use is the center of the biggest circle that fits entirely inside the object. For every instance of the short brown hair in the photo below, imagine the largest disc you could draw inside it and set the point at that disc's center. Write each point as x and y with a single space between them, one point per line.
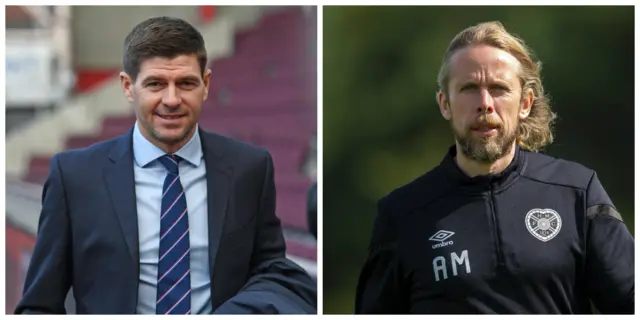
535 132
165 37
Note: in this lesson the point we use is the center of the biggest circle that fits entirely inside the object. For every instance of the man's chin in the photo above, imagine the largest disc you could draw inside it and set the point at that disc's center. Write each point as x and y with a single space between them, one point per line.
483 151
171 136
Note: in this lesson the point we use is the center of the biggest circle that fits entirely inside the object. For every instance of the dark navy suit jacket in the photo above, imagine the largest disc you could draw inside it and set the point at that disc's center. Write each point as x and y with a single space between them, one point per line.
88 234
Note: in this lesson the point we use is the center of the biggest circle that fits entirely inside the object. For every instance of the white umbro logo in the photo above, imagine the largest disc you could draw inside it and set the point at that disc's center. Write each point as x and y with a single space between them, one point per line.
440 237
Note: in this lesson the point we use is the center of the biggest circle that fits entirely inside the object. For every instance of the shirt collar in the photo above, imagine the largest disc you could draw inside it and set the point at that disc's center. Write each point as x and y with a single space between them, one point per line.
145 152
496 181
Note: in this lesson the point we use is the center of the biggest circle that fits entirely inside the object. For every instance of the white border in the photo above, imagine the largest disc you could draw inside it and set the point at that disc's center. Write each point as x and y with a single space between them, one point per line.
320 161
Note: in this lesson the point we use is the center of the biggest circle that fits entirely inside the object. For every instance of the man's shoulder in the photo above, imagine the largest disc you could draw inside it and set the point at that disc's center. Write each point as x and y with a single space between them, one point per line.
418 192
551 170
233 148
89 154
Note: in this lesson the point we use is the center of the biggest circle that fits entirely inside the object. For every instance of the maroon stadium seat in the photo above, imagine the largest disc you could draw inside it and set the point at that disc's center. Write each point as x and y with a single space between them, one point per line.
302 250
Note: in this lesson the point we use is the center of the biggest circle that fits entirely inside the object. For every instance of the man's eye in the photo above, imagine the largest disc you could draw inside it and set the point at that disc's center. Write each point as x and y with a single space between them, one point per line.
469 87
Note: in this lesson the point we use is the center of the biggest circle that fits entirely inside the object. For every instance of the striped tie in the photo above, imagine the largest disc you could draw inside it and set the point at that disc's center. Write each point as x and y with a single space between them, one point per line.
174 279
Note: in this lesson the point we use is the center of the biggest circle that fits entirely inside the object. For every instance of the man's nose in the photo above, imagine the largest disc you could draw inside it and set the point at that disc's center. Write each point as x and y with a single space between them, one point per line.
486 102
171 97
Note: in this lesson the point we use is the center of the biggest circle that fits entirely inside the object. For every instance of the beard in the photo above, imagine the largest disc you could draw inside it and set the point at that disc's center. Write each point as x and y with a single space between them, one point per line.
485 150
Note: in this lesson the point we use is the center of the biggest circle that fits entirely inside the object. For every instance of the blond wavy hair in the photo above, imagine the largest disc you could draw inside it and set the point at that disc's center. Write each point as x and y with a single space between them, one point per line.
535 132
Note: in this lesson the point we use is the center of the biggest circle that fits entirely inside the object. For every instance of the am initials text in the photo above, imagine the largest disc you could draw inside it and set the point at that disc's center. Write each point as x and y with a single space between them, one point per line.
440 264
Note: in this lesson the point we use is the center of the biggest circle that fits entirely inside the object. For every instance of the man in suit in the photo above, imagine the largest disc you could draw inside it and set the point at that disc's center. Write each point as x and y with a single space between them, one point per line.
167 218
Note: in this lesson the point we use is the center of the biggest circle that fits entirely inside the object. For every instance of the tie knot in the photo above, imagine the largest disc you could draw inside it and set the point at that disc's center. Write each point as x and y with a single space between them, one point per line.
170 162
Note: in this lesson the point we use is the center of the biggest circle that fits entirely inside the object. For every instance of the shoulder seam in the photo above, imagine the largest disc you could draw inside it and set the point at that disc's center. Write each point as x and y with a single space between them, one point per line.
553 183
605 216
598 213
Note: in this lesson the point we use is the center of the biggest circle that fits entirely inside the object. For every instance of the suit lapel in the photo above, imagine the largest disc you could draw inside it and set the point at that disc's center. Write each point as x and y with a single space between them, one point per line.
120 182
218 184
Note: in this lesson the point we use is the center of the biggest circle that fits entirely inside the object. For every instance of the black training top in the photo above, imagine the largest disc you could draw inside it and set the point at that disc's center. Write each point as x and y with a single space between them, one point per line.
540 237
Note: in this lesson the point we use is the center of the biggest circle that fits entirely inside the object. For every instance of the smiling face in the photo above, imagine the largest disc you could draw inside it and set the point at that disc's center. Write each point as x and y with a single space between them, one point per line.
484 102
167 96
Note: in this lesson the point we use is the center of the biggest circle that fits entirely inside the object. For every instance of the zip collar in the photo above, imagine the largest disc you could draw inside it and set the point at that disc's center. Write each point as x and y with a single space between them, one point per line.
483 183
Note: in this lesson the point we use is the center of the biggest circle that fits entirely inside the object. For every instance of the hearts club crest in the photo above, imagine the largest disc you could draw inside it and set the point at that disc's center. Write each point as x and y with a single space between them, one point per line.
544 224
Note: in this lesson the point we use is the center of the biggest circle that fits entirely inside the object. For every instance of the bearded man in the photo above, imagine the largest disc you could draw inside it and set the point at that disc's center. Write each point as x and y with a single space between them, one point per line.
497 226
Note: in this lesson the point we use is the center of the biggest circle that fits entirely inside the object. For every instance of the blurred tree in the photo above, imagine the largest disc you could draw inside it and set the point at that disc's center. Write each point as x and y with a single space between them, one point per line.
382 127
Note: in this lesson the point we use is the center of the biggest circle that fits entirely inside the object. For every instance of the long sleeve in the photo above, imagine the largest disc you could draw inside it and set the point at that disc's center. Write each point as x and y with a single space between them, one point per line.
610 255
381 286
277 285
48 278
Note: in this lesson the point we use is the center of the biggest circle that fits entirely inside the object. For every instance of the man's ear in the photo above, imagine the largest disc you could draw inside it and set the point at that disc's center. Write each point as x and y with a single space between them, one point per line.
443 104
127 85
526 104
206 78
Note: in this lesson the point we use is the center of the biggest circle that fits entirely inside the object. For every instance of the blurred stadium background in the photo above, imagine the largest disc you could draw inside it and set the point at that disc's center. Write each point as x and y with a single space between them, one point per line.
382 127
62 92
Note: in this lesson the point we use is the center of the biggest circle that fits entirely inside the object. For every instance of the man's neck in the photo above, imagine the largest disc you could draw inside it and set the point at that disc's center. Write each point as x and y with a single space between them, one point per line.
474 168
